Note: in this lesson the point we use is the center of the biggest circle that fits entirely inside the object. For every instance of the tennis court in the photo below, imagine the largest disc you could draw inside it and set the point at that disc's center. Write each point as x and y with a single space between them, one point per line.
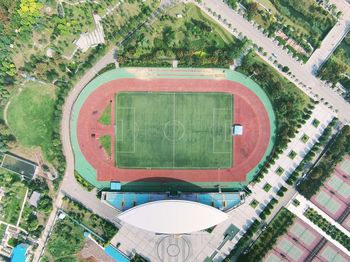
171 130
340 186
331 253
273 257
18 166
294 251
346 223
345 166
329 204
307 237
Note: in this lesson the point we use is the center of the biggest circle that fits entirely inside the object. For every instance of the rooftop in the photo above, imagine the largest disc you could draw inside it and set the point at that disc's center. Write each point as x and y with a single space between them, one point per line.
173 216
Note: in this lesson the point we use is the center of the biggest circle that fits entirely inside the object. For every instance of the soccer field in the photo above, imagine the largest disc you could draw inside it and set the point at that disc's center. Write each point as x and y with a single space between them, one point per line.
173 130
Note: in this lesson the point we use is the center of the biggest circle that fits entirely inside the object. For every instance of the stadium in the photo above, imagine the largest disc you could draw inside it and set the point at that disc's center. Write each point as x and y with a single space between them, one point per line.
195 135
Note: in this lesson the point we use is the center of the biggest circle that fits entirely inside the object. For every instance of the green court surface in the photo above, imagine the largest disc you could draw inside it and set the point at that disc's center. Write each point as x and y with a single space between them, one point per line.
273 258
326 200
330 254
348 222
302 233
340 186
345 166
290 249
174 130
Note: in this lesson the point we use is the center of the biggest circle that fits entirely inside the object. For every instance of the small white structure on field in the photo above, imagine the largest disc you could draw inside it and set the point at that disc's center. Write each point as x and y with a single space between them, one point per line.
237 130
61 215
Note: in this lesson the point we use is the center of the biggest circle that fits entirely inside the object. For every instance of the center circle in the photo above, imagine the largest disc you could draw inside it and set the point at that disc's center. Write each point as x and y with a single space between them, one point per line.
174 130
173 250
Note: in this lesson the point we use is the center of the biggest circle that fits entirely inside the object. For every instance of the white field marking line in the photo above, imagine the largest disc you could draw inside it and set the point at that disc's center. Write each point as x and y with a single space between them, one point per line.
176 167
214 120
116 131
120 126
228 126
134 147
228 129
174 126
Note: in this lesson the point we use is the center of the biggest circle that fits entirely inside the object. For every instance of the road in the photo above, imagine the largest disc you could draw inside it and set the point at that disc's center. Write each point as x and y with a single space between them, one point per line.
69 186
304 78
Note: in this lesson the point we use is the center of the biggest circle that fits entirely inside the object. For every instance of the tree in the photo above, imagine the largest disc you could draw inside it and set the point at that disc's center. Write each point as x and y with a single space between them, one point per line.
333 70
232 3
45 204
252 9
28 11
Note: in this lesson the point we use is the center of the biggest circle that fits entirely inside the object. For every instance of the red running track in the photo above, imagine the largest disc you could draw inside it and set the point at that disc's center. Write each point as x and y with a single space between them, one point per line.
248 149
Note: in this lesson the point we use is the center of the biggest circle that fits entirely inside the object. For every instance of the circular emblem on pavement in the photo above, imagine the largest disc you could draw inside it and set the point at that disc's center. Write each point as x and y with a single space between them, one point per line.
173 248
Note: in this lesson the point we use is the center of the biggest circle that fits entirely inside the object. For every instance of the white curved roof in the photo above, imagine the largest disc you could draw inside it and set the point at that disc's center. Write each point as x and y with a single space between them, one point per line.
173 216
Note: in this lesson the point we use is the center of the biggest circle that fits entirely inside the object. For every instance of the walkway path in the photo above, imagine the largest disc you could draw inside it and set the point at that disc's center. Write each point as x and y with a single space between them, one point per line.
70 186
19 228
333 38
22 207
329 44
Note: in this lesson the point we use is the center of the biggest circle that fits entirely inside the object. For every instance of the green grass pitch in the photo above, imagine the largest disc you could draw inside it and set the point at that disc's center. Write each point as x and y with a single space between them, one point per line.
173 130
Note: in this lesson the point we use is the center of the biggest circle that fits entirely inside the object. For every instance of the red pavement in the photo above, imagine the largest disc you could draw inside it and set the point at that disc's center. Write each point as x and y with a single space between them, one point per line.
248 149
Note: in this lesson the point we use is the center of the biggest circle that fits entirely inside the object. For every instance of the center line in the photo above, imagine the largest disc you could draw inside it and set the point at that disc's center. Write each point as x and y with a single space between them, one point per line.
174 116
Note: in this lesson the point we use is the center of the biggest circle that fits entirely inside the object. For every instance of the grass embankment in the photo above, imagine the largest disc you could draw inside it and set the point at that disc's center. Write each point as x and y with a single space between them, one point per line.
30 116
66 240
186 34
11 203
85 184
67 237
337 67
98 225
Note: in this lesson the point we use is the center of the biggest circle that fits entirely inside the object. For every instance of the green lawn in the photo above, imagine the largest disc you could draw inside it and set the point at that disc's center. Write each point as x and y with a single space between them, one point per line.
98 225
184 33
304 21
105 117
337 67
30 116
2 230
106 143
174 130
12 202
306 17
66 240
